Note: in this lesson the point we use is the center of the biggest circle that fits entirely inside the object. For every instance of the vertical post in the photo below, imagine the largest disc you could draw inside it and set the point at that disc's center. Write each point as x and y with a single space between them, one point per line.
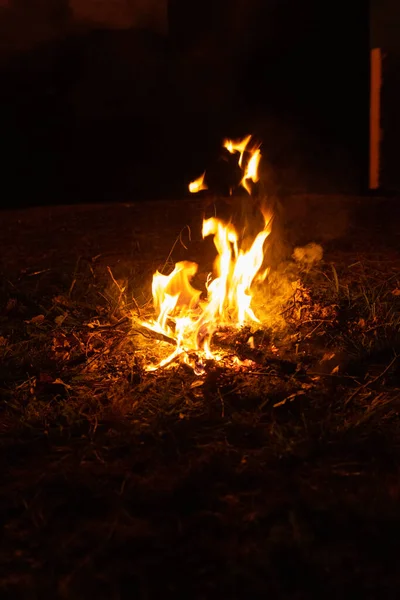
375 118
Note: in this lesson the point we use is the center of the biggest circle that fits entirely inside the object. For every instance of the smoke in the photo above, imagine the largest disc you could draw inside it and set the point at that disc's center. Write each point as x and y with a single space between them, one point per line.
308 255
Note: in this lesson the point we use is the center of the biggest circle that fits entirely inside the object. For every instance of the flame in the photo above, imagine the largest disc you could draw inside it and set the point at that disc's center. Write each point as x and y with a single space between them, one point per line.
187 318
251 169
198 184
238 146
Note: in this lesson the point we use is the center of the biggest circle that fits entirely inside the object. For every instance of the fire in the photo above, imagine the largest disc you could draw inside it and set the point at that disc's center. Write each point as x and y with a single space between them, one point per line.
251 169
238 146
198 184
187 317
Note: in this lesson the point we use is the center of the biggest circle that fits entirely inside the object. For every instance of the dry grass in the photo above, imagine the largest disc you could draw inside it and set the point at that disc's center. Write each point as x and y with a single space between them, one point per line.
279 477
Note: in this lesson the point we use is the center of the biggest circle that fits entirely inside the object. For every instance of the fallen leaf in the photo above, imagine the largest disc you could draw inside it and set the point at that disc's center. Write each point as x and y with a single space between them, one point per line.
38 320
396 292
335 370
60 319
93 324
61 382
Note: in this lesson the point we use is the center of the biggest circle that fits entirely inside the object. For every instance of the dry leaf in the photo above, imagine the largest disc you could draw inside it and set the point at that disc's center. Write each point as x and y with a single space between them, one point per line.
60 382
38 320
335 370
396 292
60 319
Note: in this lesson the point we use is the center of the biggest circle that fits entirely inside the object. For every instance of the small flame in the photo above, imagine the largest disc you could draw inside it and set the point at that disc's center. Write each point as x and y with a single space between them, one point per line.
251 171
251 168
185 317
238 146
198 184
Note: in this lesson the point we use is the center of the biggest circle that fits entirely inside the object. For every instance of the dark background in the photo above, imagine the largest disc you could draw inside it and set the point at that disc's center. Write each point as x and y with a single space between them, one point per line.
126 110
385 28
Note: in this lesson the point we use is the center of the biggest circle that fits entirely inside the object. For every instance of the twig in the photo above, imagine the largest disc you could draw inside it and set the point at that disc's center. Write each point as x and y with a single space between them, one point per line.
289 398
314 330
77 265
137 307
178 239
371 381
335 276
155 335
38 272
222 403
113 325
120 289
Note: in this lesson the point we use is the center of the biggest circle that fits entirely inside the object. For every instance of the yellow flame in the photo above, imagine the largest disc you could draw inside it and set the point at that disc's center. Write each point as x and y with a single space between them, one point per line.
238 146
251 170
190 321
183 316
198 184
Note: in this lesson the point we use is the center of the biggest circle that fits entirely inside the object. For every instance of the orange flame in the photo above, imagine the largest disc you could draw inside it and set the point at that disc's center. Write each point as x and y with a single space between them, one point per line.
238 146
189 320
198 184
251 169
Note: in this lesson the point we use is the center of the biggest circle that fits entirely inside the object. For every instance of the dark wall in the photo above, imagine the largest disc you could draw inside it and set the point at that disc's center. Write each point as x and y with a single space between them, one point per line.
385 34
294 73
82 97
97 109
312 72
299 73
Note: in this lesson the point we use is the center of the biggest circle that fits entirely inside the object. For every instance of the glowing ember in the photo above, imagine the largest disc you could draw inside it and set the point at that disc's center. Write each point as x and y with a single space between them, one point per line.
198 184
185 318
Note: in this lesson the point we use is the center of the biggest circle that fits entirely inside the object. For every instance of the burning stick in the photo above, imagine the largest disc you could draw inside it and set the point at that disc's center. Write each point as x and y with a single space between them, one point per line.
155 335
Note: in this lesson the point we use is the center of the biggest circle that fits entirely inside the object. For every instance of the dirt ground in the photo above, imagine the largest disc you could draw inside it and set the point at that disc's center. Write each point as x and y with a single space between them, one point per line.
279 479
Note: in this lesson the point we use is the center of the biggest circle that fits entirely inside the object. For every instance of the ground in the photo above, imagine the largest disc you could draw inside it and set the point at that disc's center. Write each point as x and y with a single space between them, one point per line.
278 478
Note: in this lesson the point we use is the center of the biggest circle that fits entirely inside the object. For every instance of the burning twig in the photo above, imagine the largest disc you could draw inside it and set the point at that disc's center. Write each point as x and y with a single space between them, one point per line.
155 335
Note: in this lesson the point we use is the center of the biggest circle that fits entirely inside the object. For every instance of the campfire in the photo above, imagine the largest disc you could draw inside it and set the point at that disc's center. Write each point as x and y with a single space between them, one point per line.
188 318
